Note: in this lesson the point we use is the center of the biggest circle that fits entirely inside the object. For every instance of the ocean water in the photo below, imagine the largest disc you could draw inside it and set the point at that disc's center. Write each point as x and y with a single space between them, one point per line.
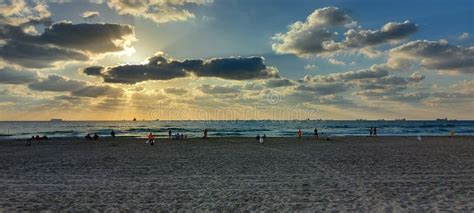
25 129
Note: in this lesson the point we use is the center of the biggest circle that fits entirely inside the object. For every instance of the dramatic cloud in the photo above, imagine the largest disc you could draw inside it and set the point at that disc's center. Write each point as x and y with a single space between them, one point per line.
434 55
161 68
11 76
159 11
38 56
56 83
62 42
316 35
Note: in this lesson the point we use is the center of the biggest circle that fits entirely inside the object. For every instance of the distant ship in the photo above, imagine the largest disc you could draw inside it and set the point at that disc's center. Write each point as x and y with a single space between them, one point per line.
402 119
441 119
56 120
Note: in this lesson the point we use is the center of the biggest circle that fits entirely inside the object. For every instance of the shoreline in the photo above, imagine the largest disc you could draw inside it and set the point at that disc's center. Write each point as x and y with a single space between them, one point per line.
161 137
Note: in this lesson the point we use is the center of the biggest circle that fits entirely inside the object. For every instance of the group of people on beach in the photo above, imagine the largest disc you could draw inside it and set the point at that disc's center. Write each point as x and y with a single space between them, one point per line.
373 131
94 137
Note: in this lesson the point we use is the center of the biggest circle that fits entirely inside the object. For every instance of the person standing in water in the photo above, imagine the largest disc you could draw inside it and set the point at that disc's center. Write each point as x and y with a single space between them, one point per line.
205 134
375 131
316 133
169 133
112 134
370 131
300 133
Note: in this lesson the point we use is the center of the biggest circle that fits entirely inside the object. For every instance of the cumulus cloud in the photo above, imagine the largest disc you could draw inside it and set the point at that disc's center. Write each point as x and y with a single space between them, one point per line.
316 36
375 71
391 31
62 42
161 68
464 36
89 15
12 76
434 55
159 11
19 12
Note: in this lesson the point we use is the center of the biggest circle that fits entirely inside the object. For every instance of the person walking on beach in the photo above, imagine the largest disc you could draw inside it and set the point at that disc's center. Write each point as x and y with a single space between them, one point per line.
112 134
316 133
205 134
169 133
258 137
370 131
300 133
151 139
375 131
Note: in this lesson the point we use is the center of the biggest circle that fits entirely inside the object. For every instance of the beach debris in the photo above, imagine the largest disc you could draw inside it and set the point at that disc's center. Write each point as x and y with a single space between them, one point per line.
418 138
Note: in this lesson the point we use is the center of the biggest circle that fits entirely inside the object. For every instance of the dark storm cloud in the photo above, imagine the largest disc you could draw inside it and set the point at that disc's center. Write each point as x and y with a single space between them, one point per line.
161 68
62 42
435 55
11 76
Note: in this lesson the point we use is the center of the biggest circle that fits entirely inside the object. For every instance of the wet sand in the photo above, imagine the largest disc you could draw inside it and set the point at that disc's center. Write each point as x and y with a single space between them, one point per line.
284 174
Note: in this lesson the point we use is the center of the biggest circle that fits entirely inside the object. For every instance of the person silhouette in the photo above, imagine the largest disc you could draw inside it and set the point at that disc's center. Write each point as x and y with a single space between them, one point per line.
300 133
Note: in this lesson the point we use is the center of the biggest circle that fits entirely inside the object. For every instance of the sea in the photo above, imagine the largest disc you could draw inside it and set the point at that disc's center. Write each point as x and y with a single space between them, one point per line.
236 128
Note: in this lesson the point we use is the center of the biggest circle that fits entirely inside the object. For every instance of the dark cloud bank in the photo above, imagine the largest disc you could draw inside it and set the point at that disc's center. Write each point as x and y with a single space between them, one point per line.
161 68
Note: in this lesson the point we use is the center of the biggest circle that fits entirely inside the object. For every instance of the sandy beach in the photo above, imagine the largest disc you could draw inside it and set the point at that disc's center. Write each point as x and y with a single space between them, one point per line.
284 174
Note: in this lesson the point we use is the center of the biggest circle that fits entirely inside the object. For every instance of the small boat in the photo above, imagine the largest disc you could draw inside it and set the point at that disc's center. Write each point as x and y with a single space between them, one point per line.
402 119
56 120
441 119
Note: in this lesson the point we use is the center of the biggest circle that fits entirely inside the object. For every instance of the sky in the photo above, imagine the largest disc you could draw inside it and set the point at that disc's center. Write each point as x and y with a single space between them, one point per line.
236 59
